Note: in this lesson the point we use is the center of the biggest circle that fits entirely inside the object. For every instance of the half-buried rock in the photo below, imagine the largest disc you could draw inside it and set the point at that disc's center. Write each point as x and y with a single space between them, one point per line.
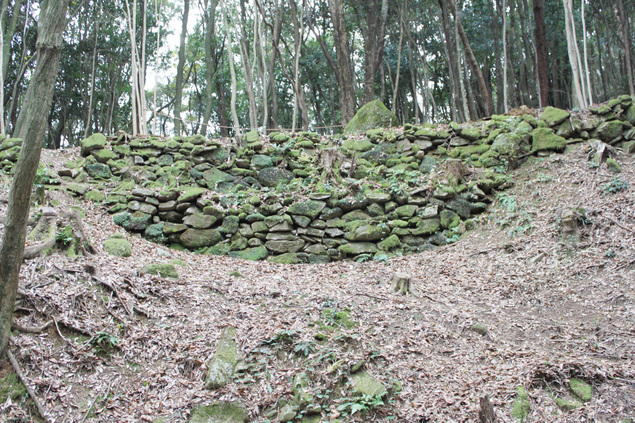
221 368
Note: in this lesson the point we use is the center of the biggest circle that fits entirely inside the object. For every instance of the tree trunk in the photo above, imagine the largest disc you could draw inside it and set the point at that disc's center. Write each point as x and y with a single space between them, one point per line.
373 45
453 68
488 105
180 70
8 35
248 73
505 105
579 98
32 121
232 71
210 68
346 78
541 52
626 40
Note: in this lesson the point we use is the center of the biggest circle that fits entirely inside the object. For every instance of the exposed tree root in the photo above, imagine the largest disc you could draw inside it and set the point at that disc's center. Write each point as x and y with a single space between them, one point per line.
25 382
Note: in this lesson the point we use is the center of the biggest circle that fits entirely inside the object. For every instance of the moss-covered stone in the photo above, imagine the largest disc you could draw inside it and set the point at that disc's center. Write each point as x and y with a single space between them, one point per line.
365 384
367 232
164 270
613 165
117 245
545 139
132 222
357 145
95 196
553 116
199 238
427 227
449 219
520 406
221 367
567 405
289 258
310 208
254 254
356 248
389 243
372 115
94 142
220 412
611 130
190 195
155 233
98 171
260 161
581 389
273 176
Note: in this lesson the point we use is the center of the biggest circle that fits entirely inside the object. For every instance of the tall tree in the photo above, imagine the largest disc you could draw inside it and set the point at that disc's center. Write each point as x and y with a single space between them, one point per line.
374 34
178 99
346 78
542 65
626 42
32 123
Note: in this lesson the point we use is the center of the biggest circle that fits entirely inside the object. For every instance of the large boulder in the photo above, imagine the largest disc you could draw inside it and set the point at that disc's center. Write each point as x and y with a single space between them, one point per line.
372 115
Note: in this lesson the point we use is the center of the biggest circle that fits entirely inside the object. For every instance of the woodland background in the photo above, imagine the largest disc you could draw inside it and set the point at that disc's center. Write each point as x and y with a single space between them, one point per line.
164 67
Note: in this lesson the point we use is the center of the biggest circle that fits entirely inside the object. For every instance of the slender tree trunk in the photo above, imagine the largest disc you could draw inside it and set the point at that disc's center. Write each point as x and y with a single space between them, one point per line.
346 77
579 98
210 51
89 112
32 122
9 31
542 63
248 73
396 88
232 71
453 68
488 105
180 69
504 10
373 44
626 41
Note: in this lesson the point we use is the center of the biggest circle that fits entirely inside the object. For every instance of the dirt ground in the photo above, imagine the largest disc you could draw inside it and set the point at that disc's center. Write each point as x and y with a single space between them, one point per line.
549 311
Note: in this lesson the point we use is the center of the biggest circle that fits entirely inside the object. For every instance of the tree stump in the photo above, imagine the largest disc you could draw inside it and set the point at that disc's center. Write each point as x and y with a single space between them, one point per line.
64 232
400 283
486 414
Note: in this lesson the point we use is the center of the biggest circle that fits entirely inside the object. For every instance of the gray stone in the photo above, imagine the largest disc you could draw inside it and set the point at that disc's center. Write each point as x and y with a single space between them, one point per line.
371 116
219 412
368 233
221 368
200 221
199 238
272 176
282 246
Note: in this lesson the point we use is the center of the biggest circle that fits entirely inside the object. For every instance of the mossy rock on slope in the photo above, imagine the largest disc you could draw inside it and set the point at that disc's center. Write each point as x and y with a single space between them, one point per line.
94 142
221 367
160 269
372 115
545 139
118 246
553 116
520 406
220 412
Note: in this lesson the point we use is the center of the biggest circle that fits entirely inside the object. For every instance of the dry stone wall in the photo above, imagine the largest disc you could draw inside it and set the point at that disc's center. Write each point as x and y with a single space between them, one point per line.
298 198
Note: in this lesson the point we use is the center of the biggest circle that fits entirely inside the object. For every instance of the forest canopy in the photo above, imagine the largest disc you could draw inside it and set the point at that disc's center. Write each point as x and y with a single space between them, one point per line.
218 67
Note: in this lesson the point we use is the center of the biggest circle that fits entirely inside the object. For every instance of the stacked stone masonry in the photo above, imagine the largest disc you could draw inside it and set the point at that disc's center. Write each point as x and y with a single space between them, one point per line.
298 198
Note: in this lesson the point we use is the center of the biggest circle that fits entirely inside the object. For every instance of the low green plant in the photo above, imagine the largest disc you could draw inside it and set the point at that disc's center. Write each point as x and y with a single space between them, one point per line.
615 186
361 404
64 236
304 348
104 342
